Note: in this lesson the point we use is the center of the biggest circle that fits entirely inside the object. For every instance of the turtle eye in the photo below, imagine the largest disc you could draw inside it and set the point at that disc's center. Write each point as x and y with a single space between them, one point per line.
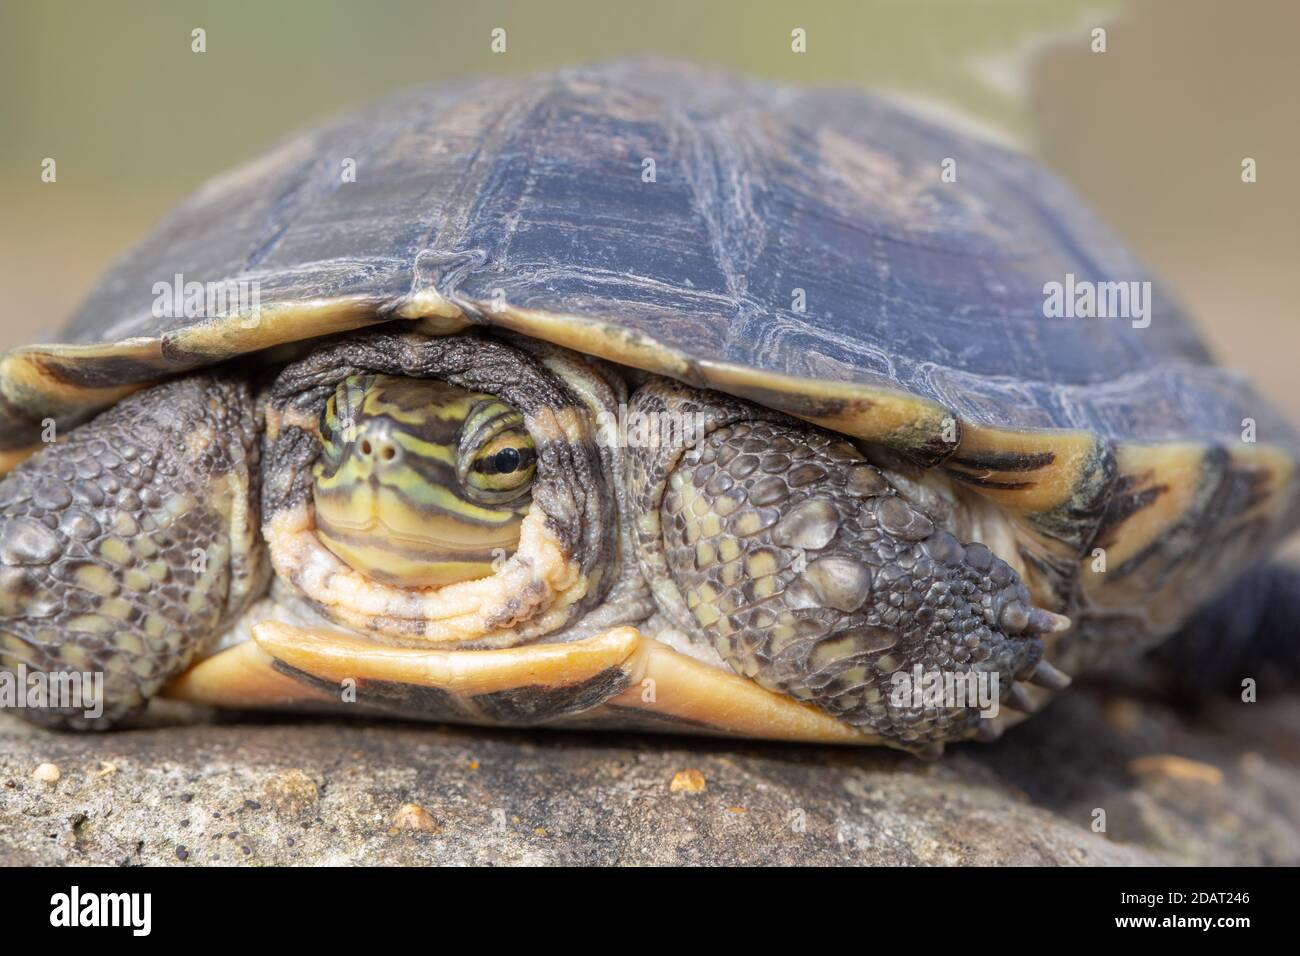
502 466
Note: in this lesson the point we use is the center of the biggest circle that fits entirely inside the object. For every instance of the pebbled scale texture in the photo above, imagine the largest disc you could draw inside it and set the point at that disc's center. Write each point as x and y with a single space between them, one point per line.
812 576
126 546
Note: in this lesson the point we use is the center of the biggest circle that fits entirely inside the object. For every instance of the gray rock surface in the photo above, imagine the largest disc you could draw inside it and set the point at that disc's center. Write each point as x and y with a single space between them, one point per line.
1220 784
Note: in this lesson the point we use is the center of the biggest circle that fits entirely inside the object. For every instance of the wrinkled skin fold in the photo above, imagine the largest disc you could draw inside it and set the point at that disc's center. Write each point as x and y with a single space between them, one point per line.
766 547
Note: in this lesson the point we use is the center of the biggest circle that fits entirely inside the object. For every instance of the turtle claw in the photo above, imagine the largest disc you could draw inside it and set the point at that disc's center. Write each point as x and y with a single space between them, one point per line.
931 751
1046 676
1019 699
989 729
1045 622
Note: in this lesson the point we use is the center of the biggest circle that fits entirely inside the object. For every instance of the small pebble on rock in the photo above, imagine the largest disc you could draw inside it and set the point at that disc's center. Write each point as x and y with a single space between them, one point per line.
412 816
292 792
687 781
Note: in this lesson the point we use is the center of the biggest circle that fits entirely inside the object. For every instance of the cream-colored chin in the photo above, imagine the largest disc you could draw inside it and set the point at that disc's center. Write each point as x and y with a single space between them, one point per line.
527 597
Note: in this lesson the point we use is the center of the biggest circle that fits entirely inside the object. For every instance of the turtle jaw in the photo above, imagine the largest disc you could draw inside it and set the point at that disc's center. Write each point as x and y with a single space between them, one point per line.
532 590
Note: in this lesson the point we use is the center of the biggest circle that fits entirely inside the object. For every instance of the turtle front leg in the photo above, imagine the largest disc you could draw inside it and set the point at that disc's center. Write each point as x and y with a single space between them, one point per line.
125 548
808 572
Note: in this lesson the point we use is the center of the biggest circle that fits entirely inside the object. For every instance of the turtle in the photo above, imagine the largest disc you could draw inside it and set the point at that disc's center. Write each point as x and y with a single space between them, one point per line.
637 395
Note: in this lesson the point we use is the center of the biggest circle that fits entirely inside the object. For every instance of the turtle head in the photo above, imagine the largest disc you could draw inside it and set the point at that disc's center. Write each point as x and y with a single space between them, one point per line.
420 483
439 491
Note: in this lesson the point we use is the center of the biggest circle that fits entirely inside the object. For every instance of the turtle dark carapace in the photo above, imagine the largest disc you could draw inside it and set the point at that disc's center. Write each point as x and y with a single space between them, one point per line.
782 441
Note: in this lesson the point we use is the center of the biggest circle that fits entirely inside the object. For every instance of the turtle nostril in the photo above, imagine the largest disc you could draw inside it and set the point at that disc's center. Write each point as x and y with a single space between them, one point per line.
380 449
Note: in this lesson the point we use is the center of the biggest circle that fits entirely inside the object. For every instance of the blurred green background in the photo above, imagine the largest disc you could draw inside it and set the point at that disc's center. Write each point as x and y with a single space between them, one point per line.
1152 132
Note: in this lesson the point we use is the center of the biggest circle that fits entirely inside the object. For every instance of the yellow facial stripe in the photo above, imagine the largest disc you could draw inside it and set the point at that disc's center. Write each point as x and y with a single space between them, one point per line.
361 490
427 449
